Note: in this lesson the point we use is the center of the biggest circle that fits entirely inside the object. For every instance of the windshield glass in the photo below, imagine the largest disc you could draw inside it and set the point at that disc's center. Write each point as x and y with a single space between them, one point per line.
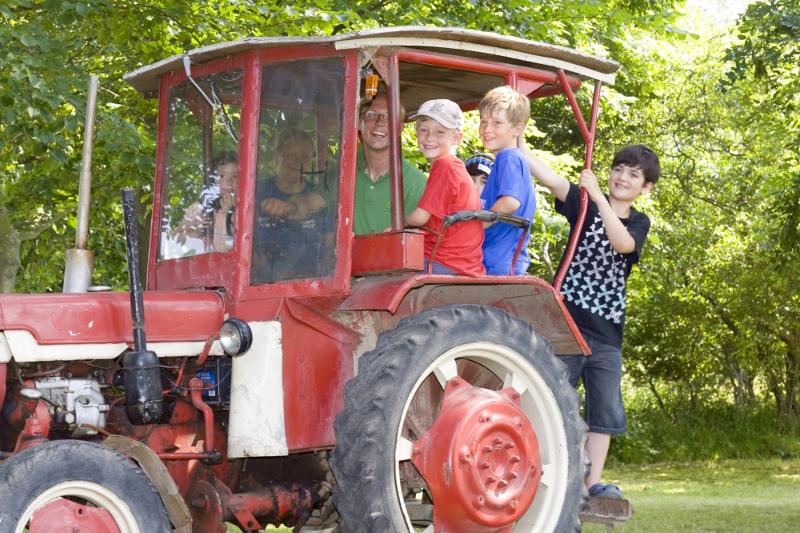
201 167
297 175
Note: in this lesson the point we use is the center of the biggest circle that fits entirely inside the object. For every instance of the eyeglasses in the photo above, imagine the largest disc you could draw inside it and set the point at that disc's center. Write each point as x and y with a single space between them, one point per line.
373 116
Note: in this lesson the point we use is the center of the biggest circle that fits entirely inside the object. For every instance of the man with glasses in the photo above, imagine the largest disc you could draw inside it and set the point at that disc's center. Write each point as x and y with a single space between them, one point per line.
373 196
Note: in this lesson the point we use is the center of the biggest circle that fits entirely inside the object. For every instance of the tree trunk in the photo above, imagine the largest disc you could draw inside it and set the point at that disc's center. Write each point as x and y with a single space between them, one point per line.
10 241
657 396
791 381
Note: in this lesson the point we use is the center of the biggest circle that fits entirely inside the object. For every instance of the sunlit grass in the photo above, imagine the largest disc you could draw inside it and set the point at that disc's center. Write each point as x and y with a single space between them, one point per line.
719 496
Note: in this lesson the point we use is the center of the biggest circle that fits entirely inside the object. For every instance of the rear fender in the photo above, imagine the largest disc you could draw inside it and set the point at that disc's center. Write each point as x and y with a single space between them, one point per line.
388 299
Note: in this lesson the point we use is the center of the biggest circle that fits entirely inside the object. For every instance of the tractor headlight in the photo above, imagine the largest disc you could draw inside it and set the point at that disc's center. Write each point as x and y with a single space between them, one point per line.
235 336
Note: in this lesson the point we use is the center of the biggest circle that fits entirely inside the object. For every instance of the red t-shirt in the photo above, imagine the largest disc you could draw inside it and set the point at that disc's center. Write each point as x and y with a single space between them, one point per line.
450 189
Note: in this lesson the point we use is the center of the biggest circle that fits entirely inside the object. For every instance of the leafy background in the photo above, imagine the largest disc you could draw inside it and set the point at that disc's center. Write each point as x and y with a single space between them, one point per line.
713 335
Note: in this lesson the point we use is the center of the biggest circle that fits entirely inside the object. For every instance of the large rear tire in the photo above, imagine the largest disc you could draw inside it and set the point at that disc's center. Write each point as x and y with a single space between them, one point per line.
400 408
84 486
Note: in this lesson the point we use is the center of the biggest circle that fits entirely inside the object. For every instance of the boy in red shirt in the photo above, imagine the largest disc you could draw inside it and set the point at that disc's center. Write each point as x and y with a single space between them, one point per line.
449 189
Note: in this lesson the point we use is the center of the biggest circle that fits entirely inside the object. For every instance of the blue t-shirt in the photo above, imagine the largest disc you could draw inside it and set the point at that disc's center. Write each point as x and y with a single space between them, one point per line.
510 176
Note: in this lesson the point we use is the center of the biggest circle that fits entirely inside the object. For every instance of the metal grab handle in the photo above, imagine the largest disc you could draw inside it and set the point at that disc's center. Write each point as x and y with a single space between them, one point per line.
484 216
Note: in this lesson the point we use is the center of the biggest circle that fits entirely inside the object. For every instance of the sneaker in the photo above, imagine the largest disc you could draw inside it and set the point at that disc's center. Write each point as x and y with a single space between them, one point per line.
603 490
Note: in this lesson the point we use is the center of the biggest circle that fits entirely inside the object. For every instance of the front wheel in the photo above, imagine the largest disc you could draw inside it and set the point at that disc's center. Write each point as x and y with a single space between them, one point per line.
460 419
78 486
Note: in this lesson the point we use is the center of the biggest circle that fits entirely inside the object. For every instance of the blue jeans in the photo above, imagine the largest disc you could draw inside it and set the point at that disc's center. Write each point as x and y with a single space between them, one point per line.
439 268
601 374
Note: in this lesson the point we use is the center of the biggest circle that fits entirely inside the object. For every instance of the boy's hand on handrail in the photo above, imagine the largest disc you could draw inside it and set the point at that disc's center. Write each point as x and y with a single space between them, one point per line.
589 182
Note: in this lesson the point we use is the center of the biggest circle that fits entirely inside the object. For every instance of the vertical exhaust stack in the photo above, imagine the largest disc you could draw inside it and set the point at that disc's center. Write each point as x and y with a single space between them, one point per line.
141 371
78 268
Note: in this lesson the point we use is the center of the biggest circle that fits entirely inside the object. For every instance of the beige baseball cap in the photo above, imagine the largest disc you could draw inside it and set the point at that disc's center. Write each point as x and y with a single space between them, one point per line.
445 112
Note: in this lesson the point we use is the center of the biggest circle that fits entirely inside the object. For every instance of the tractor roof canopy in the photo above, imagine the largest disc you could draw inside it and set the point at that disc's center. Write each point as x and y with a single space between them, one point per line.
418 78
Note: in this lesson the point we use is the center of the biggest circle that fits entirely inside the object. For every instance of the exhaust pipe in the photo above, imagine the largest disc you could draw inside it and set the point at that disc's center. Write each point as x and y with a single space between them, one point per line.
141 371
78 268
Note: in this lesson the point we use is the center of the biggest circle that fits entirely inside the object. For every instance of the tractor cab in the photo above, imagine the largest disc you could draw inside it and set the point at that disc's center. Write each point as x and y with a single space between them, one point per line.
258 139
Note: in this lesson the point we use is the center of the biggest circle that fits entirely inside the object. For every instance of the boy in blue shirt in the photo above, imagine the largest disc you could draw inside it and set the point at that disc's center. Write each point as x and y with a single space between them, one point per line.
508 190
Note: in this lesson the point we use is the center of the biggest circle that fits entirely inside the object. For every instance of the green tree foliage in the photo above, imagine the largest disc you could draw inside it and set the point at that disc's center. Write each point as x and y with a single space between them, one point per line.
50 46
715 308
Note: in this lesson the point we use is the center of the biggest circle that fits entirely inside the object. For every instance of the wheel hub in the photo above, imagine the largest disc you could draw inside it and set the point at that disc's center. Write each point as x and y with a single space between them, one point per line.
480 459
65 515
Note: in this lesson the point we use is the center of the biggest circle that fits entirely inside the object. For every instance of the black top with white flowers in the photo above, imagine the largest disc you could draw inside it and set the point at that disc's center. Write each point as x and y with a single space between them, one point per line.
594 287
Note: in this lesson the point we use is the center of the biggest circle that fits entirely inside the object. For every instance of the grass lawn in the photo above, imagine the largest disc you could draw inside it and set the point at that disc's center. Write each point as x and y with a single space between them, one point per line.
737 496
740 496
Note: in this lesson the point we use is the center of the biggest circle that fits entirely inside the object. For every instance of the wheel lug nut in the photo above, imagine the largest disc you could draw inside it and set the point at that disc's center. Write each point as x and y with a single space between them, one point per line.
490 480
502 484
498 440
514 459
512 475
486 448
484 465
509 445
464 456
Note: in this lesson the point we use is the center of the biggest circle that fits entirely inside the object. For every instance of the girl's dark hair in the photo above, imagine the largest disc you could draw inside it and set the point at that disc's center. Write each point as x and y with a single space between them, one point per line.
291 134
224 157
639 156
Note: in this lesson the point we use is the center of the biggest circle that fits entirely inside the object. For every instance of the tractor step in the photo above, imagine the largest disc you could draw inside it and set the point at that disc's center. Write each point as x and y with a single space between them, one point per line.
608 511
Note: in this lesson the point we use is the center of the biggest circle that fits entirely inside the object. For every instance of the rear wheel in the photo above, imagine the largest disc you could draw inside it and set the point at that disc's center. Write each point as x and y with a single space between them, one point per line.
461 419
78 486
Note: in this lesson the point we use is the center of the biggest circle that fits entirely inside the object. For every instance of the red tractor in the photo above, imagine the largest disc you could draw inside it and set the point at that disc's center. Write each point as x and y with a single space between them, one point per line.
295 373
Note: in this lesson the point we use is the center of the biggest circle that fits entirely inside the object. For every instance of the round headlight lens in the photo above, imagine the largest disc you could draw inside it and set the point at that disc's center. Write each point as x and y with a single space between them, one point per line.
235 336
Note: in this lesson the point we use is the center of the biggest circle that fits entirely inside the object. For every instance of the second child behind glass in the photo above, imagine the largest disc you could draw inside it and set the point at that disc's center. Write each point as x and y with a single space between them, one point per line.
449 189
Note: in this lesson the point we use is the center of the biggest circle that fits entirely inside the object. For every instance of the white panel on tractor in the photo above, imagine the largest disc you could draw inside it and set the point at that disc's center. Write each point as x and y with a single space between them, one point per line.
5 351
257 427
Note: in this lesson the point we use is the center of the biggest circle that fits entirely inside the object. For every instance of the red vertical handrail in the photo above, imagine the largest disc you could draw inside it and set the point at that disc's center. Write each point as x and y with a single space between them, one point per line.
588 136
395 150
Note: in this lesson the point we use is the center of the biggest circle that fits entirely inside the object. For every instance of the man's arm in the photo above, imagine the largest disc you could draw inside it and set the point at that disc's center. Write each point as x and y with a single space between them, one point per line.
505 205
418 217
544 174
298 207
413 186
619 237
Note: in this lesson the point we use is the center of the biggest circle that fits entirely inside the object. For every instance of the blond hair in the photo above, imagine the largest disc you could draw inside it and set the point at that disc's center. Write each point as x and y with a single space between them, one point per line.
516 105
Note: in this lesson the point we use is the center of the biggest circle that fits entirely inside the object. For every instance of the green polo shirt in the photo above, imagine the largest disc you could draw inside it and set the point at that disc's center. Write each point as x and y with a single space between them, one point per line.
373 204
